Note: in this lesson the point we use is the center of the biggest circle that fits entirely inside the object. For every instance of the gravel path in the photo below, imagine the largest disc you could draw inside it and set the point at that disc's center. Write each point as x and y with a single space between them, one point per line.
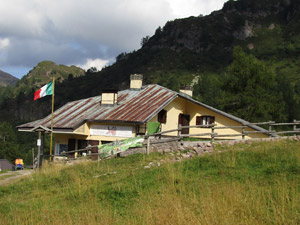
13 176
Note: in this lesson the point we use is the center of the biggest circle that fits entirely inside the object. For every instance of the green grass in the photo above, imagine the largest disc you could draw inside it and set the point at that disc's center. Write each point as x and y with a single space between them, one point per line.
7 176
4 171
243 184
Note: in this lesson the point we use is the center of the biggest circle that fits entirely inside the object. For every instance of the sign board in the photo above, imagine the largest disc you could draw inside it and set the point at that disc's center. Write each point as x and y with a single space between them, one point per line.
39 142
111 131
115 147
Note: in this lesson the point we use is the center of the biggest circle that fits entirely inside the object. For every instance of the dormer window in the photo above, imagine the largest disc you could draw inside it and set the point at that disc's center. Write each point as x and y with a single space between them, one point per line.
162 116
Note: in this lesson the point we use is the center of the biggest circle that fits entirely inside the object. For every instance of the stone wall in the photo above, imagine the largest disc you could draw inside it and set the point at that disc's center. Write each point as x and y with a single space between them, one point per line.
190 148
195 147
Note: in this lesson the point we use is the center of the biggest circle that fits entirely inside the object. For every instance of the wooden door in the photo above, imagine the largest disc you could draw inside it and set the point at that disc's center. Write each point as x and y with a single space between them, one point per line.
94 149
71 144
184 120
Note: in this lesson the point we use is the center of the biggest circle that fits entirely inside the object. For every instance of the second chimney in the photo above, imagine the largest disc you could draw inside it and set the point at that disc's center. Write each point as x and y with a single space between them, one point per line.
136 81
186 89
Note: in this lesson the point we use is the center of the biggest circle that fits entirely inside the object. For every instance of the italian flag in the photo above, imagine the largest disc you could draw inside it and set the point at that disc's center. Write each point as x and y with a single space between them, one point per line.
43 91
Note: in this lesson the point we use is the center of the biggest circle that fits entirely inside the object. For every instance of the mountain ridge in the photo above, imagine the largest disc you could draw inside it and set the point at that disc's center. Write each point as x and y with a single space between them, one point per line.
7 79
44 71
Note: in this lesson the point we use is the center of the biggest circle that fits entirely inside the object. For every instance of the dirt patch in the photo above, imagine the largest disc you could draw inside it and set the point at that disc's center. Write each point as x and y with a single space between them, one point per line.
13 176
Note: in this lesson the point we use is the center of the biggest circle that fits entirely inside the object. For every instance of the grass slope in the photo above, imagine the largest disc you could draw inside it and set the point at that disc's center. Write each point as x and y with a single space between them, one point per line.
247 184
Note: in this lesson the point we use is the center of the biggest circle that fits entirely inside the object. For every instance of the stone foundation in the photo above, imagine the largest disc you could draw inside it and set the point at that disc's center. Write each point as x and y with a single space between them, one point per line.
187 149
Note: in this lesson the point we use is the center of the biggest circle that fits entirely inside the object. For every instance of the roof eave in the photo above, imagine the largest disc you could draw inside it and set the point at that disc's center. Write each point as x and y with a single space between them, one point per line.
116 121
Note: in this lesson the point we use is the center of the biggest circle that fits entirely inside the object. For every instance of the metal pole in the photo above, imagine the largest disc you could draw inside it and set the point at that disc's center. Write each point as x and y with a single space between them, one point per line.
39 150
212 133
295 127
51 138
32 158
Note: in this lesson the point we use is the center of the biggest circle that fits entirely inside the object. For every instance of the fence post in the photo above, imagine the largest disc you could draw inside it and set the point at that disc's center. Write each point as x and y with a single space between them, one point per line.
213 133
295 127
148 146
179 131
270 128
243 131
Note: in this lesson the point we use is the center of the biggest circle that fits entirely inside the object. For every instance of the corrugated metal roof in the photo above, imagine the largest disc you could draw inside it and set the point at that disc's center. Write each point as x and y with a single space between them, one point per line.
136 106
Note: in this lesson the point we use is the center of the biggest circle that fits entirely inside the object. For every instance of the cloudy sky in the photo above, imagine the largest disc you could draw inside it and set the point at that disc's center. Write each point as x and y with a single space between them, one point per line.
83 33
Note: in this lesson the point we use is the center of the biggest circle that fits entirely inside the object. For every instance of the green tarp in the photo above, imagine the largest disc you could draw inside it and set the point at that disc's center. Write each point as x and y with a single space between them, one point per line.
153 127
113 148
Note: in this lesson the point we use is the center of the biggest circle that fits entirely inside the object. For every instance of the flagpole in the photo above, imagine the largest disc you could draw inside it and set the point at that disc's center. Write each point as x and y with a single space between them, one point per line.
51 138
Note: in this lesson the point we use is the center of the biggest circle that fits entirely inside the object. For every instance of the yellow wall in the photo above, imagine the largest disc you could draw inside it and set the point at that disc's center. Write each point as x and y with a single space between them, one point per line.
63 138
83 133
82 130
220 121
183 106
175 108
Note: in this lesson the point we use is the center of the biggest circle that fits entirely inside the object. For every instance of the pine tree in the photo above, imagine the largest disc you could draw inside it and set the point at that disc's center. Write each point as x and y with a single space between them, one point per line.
249 89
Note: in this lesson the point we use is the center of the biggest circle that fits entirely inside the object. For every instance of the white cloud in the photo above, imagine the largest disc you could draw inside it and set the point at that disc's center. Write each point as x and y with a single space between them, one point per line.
73 31
98 63
4 43
184 8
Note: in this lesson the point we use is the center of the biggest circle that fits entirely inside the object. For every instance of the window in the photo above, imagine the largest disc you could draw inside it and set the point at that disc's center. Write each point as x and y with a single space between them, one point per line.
59 148
162 116
82 144
205 120
141 129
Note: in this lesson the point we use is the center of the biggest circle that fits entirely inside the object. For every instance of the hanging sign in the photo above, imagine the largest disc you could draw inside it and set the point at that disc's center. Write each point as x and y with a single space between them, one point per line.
39 142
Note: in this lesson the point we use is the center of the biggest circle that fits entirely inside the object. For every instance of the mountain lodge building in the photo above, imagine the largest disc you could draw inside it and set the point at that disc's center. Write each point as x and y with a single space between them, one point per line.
116 115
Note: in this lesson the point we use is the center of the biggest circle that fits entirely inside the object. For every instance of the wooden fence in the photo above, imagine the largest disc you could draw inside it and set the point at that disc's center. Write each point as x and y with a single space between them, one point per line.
212 134
271 132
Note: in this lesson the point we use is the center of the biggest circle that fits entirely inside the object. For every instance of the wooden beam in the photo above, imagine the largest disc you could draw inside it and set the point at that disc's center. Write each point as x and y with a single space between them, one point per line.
192 135
284 124
228 135
230 127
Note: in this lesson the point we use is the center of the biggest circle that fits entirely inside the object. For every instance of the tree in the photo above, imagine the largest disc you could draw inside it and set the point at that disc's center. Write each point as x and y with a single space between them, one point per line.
249 89
158 31
144 40
121 56
92 70
70 76
9 148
